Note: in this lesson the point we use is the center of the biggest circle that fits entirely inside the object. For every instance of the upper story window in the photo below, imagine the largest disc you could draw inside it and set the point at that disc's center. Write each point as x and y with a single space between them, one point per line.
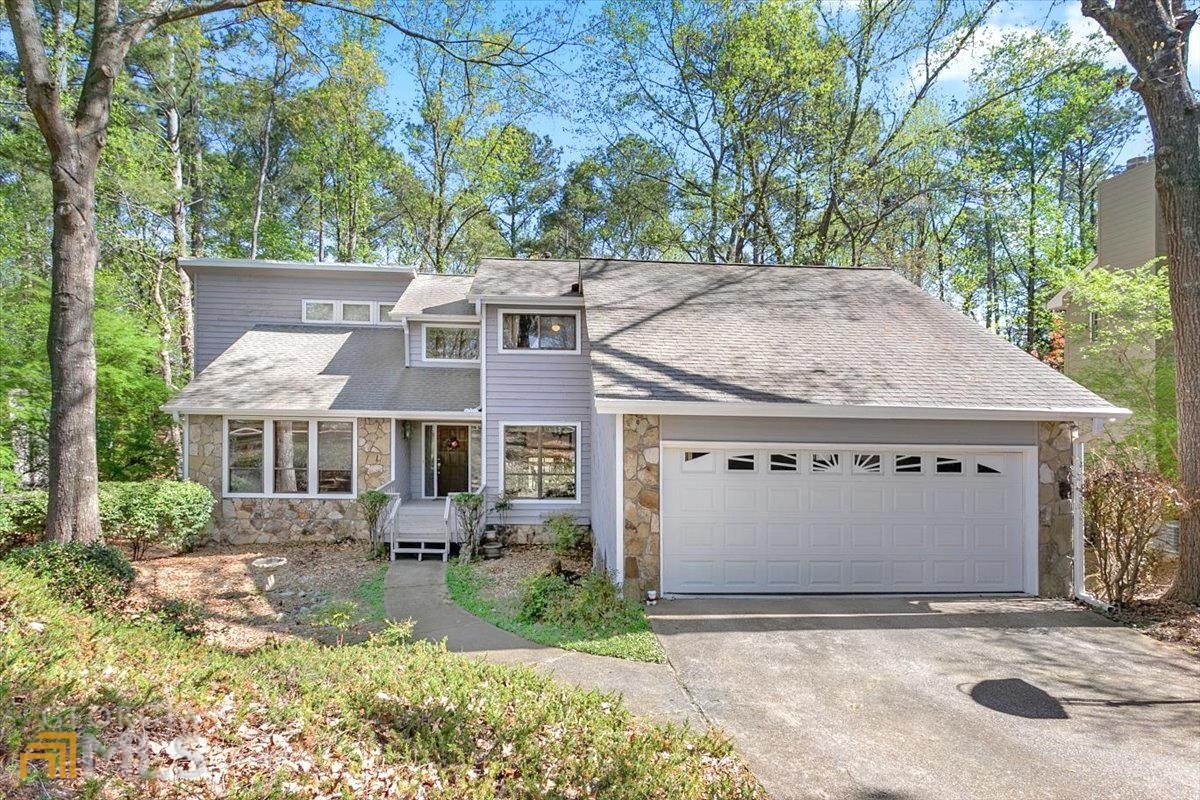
552 332
451 342
347 312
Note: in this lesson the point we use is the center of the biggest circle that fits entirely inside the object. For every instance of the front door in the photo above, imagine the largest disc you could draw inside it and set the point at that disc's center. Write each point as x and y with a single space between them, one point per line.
453 464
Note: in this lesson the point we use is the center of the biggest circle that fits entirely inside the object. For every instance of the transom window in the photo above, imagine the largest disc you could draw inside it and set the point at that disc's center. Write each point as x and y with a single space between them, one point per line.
540 462
538 331
451 343
346 312
289 457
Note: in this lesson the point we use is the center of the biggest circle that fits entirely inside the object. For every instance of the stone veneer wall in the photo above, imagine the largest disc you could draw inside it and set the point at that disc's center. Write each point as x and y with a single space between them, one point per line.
266 520
640 506
1056 509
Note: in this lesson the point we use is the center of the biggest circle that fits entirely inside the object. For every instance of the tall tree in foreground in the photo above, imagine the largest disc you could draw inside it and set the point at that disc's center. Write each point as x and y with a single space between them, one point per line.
1153 35
74 124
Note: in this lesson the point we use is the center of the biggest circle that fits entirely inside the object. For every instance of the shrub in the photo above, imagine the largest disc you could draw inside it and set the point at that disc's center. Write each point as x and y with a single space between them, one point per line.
543 598
94 575
170 514
591 605
372 502
1124 509
22 518
469 509
340 615
567 535
181 616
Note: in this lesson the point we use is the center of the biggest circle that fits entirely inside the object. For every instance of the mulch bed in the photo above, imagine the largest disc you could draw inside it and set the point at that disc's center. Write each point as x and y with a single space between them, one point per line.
238 616
520 562
1165 620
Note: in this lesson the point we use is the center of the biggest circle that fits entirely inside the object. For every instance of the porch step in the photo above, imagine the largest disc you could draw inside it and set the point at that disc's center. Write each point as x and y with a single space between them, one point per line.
421 548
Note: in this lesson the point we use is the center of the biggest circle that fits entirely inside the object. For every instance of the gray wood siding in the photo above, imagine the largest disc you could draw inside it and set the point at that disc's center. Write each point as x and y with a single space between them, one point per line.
416 355
847 431
537 387
402 468
229 302
605 525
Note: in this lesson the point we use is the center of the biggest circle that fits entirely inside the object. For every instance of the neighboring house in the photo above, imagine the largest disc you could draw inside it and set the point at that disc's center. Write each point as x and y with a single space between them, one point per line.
722 428
1129 233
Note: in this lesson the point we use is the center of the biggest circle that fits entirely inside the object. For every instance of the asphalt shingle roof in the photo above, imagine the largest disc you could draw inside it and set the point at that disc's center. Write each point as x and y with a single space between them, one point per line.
705 332
436 294
508 277
302 368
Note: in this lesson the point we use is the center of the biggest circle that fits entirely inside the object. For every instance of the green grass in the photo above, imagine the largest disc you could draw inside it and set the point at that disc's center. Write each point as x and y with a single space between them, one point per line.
633 641
369 596
387 717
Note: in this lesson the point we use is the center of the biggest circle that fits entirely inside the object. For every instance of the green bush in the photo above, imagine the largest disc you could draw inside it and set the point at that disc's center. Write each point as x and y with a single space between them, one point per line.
94 575
591 605
567 535
22 518
171 514
543 597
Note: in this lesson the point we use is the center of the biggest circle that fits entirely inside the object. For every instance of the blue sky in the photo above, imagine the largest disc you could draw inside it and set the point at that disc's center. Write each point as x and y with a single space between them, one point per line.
1011 17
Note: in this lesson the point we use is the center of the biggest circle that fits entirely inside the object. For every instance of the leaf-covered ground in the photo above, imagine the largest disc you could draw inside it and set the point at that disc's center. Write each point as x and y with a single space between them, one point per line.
386 718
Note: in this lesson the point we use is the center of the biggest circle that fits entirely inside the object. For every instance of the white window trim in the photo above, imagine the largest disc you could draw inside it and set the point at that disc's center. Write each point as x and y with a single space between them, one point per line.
373 305
555 312
304 312
382 318
425 343
269 458
549 501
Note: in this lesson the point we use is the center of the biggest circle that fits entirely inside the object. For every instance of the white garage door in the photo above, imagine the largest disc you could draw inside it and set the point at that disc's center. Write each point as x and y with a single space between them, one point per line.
861 520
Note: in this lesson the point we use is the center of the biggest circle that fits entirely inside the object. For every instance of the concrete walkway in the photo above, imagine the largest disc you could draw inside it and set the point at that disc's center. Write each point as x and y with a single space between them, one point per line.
417 590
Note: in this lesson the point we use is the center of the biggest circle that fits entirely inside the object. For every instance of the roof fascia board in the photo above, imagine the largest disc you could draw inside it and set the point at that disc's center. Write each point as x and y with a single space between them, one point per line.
574 302
322 413
605 405
308 266
463 318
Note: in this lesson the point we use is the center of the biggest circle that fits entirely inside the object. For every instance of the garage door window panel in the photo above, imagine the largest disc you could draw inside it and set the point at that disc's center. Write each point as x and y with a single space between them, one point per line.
742 462
698 461
908 465
867 464
949 466
826 463
785 462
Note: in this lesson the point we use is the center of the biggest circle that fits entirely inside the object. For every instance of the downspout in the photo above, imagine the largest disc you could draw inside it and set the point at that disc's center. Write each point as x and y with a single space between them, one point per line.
1077 555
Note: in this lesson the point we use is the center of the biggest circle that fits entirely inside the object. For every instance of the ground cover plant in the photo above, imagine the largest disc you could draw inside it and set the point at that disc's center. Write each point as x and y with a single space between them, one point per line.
573 611
385 718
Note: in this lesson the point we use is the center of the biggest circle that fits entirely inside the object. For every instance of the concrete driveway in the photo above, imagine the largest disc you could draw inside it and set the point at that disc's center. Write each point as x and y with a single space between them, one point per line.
891 699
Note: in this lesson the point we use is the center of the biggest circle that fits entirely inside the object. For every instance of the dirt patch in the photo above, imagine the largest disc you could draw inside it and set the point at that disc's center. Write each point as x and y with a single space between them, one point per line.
1165 620
238 615
520 562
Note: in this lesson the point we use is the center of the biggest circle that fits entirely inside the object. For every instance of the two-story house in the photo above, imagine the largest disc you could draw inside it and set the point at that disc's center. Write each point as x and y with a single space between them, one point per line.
722 428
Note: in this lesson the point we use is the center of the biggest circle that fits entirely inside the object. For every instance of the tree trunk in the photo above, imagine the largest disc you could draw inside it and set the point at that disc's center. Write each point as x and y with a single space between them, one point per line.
73 513
1153 36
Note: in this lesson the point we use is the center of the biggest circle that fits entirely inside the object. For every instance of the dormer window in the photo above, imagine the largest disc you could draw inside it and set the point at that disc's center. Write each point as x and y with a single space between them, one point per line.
540 331
451 342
